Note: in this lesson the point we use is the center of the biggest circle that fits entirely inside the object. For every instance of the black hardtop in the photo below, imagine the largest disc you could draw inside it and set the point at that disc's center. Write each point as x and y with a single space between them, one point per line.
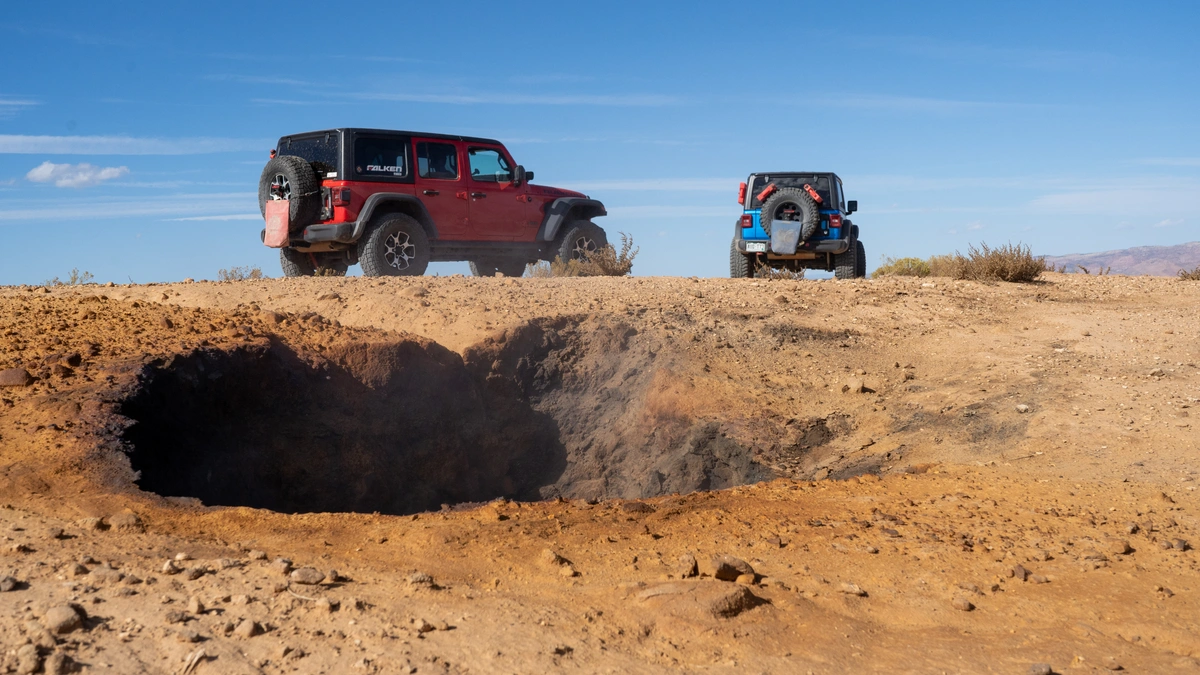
794 174
393 132
821 181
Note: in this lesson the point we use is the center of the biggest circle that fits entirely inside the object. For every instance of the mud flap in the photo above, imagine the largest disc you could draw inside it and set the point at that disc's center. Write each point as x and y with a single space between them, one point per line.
785 236
277 223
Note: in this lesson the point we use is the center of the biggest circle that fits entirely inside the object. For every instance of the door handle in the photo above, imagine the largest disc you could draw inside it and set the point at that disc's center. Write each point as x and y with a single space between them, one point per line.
524 198
431 193
478 195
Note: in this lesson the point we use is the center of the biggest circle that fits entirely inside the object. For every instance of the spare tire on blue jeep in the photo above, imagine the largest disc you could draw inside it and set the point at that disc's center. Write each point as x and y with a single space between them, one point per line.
791 204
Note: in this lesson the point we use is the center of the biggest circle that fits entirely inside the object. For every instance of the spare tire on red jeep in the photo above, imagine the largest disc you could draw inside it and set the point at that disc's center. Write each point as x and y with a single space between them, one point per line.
291 178
791 204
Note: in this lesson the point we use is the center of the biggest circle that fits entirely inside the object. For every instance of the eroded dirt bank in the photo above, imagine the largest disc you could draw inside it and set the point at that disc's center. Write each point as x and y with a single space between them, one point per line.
960 476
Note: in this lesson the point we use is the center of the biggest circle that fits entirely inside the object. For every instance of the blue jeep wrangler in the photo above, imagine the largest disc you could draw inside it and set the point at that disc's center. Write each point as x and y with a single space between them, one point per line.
794 221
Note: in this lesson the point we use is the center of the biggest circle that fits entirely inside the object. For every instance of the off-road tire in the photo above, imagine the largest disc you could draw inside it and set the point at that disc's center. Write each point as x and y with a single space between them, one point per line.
739 263
295 263
860 260
488 267
394 246
304 202
807 211
581 238
845 264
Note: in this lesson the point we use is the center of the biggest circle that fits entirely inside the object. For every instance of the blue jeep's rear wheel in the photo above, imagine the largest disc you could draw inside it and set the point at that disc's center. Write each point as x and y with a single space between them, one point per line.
739 263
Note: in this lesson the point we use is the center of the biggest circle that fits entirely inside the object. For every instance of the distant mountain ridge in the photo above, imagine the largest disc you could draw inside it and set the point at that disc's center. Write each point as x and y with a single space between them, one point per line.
1159 261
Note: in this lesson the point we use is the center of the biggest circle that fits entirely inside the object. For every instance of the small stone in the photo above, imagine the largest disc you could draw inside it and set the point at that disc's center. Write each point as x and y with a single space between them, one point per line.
92 523
195 606
193 573
1157 372
125 521
1180 544
872 550
1020 573
240 599
1022 408
853 386
1040 669
176 616
55 533
729 568
962 604
28 660
247 629
1111 663
551 558
280 566
421 579
7 584
1039 579
781 300
182 557
62 619
307 575
323 605
15 377
186 635
687 566
57 664
170 567
333 576
745 579
852 589
279 586
1119 546
567 571
257 555
1131 528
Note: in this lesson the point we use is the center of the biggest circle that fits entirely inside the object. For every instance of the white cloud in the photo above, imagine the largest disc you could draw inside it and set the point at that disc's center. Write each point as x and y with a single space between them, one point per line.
74 175
100 208
632 100
915 104
11 106
1170 161
124 145
1169 222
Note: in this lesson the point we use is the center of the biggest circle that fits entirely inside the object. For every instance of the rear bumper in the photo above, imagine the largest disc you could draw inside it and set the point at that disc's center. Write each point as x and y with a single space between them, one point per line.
834 246
342 233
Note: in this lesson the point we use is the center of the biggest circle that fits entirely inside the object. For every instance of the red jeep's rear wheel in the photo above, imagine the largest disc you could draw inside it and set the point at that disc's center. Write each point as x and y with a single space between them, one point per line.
395 246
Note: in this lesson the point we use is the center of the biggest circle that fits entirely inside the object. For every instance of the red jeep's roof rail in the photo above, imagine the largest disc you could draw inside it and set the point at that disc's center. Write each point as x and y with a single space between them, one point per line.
398 132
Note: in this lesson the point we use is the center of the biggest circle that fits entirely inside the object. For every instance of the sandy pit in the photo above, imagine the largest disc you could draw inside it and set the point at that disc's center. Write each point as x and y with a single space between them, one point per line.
635 475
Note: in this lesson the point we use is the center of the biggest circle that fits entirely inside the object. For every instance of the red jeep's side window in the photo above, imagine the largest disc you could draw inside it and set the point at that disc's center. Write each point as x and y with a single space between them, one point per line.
437 160
381 157
489 166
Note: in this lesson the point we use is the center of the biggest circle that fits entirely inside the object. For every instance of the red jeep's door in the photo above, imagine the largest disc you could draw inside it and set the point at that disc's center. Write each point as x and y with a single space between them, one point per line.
441 185
499 210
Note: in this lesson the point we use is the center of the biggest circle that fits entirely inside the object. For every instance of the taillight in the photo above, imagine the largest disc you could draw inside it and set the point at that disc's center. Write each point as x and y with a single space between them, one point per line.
835 221
747 219
742 193
341 197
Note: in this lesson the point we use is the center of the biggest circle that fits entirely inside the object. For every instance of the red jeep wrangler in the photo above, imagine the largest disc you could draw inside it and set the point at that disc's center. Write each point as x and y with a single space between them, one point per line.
396 200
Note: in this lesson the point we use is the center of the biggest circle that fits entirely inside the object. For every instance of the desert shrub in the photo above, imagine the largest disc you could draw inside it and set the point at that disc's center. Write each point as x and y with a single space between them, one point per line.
1190 275
774 273
240 274
606 262
941 265
902 267
76 278
1014 263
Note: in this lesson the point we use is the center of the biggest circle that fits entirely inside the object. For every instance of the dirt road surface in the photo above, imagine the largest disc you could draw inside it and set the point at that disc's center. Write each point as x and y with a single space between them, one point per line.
636 475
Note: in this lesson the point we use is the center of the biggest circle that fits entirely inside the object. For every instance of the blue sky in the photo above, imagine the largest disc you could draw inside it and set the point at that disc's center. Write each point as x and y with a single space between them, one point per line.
131 139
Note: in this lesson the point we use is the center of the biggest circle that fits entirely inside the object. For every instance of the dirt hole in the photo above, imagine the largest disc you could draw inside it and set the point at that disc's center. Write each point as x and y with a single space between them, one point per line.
394 428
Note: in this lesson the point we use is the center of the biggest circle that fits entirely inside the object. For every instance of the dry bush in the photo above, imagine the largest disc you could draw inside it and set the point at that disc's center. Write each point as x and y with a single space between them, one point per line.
774 273
1193 275
1013 263
903 267
75 279
606 262
240 274
941 265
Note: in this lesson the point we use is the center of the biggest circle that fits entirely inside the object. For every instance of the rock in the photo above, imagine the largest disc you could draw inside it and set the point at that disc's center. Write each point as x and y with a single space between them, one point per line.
551 558
852 589
187 636
280 566
176 616
181 557
687 566
257 555
7 584
166 323
1022 408
28 660
638 507
1040 669
1131 528
279 586
962 604
1111 663
854 386
125 521
1180 544
308 576
423 626
421 579
1019 572
247 629
62 619
567 571
1157 372
745 579
729 568
1039 579
92 524
1119 546
170 567
240 599
195 606
323 605
57 664
193 573
15 377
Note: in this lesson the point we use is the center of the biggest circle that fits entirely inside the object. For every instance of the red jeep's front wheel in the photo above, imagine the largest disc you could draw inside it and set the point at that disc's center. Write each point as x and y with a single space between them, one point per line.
583 238
395 246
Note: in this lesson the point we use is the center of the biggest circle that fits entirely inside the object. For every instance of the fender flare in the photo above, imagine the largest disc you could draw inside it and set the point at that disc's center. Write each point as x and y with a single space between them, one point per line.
560 210
383 198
